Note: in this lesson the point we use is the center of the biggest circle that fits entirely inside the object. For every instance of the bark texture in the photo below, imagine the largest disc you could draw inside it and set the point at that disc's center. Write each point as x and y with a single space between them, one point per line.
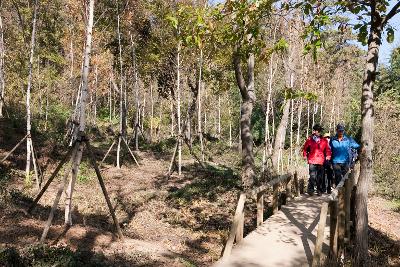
367 142
246 88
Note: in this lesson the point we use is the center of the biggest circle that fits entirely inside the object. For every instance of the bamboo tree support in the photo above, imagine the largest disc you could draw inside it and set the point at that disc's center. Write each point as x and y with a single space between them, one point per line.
108 152
35 167
56 171
74 152
32 156
14 148
123 140
58 196
103 188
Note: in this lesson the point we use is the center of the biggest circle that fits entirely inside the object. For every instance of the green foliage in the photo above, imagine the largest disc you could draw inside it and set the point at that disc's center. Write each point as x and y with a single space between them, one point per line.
213 181
57 118
86 172
258 125
162 146
323 14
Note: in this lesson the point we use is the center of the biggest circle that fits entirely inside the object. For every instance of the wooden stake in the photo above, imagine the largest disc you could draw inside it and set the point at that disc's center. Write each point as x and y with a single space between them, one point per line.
14 148
103 188
58 196
35 166
108 152
37 198
130 151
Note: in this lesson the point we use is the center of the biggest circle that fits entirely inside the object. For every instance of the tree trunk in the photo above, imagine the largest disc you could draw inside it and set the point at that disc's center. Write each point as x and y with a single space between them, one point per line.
95 96
76 160
308 117
28 97
298 130
248 99
291 131
122 108
151 111
172 120
281 134
219 116
199 128
46 113
230 127
109 100
367 142
2 79
71 75
178 100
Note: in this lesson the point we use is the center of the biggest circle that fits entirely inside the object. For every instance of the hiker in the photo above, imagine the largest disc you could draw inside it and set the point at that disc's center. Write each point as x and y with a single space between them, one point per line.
341 146
316 150
328 171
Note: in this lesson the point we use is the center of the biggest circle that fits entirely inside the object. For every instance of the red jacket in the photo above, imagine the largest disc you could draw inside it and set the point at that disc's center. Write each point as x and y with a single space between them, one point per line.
317 152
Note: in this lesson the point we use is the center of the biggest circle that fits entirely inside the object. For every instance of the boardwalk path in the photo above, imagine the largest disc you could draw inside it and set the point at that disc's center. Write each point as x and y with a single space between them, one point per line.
285 239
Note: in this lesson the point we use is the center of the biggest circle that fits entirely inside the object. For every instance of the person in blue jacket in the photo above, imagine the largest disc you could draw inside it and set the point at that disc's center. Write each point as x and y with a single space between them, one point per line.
341 146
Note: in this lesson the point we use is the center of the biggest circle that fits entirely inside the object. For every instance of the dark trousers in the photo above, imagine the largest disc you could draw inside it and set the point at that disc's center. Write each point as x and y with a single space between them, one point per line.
316 177
328 178
340 170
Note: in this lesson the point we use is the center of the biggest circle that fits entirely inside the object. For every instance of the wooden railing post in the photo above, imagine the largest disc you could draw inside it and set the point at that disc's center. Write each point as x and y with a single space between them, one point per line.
275 189
240 228
260 208
320 235
333 228
348 185
341 219
238 220
296 184
288 189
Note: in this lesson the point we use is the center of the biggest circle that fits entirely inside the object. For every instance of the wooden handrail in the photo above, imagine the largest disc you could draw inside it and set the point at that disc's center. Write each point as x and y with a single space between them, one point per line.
237 227
236 220
340 217
263 188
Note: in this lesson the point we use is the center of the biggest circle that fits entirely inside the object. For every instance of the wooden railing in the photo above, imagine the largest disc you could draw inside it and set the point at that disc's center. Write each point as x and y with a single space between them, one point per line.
341 217
288 181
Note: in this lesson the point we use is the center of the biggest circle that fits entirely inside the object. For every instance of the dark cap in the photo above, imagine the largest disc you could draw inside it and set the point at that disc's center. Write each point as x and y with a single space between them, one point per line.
317 127
340 128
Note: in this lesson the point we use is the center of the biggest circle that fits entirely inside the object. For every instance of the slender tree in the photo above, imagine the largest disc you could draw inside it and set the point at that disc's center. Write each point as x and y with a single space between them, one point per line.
28 96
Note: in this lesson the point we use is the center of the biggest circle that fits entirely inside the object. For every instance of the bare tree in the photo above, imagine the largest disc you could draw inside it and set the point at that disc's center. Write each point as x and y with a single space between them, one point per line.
2 79
28 100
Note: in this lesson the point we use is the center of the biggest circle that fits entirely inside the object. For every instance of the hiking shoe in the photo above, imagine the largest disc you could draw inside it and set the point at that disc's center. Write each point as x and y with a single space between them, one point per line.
319 193
310 193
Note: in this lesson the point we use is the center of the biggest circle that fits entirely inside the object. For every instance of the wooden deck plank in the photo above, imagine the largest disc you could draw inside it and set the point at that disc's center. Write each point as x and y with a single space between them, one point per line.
285 239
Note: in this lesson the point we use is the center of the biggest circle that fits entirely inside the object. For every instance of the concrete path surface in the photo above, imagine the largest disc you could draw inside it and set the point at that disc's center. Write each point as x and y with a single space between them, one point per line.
285 239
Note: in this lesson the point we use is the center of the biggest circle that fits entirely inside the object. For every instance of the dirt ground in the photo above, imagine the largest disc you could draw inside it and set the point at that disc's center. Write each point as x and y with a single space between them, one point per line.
166 221
174 221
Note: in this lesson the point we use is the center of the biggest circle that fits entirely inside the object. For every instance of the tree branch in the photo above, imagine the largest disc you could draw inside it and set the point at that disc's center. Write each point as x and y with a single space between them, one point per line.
395 9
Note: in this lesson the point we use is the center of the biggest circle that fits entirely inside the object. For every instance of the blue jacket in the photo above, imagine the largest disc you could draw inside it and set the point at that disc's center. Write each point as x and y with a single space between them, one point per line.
341 149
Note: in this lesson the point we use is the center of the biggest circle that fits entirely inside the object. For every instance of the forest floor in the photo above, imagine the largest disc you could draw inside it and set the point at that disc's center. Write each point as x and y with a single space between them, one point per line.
167 221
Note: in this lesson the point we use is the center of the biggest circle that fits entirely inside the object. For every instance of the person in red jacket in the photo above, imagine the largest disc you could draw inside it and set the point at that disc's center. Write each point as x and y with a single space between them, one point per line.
316 150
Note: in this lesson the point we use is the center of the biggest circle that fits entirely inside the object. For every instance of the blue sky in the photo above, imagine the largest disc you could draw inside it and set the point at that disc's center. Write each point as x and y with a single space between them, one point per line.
386 48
